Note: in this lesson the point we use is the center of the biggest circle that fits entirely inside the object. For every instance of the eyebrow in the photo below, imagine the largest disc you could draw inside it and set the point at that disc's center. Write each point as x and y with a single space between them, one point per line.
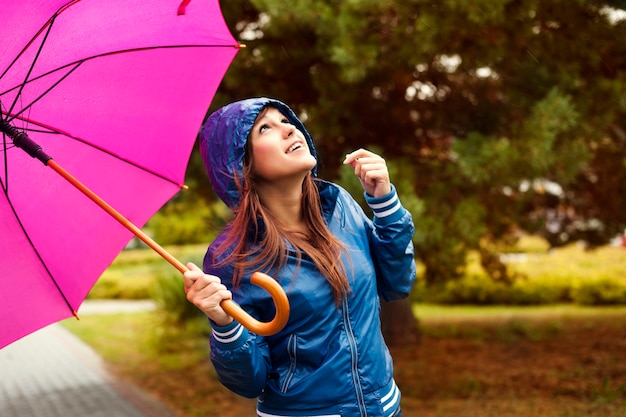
262 115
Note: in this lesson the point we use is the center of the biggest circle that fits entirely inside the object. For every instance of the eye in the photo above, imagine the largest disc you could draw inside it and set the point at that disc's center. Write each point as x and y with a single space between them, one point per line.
286 121
263 128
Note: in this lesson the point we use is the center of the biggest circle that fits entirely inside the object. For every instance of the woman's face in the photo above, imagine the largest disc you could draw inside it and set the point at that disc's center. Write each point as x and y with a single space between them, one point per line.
279 150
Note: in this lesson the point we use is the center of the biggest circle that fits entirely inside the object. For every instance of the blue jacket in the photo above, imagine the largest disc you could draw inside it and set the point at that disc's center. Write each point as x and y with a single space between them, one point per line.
328 360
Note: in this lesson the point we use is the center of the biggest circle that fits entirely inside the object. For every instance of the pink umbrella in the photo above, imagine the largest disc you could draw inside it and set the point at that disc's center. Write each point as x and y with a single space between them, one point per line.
114 91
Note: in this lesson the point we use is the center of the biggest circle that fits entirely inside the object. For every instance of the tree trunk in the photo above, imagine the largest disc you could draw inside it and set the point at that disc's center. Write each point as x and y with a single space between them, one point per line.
399 325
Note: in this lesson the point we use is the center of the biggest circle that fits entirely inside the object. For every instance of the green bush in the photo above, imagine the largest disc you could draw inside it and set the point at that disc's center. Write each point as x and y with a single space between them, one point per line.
539 291
564 275
116 285
481 290
178 224
169 295
470 289
180 322
604 290
133 274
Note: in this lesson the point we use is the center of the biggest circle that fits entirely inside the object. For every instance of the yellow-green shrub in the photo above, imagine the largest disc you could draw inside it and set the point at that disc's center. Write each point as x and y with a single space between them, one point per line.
603 290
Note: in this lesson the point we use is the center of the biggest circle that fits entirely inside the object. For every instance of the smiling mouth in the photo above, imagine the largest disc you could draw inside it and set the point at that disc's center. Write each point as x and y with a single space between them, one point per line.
295 147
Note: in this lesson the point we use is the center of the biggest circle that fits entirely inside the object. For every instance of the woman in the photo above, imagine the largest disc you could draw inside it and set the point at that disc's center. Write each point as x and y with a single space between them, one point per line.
332 261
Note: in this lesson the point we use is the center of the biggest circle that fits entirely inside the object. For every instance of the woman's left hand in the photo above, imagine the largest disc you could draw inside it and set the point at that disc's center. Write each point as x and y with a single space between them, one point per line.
371 170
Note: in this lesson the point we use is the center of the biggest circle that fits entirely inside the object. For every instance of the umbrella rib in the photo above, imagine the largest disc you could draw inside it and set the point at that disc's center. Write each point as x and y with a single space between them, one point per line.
11 116
5 184
55 131
264 281
32 65
39 32
5 147
122 51
30 242
43 94
48 24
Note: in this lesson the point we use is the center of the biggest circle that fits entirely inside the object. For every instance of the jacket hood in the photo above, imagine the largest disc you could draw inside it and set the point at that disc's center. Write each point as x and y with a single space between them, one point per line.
223 138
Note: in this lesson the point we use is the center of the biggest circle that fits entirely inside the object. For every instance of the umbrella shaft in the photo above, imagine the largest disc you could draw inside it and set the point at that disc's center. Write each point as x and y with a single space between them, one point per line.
22 141
117 216
234 310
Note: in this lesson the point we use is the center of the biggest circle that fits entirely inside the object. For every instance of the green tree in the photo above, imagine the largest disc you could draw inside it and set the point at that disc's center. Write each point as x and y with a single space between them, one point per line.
491 104
482 97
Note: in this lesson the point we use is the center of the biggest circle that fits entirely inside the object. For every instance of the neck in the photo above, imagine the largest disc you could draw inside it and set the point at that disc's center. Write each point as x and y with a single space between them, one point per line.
284 201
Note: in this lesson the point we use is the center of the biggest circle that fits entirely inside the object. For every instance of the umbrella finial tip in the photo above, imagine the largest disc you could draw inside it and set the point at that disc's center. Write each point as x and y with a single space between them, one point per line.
182 7
75 314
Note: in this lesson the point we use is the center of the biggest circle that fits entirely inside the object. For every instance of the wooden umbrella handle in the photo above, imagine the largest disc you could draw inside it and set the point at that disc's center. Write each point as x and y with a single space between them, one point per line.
279 321
258 278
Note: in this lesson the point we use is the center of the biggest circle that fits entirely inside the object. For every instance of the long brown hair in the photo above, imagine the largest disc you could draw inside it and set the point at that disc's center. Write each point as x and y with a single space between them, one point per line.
256 240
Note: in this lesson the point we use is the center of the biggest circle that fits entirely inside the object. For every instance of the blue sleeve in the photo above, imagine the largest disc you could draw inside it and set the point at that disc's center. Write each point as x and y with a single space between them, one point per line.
391 246
240 358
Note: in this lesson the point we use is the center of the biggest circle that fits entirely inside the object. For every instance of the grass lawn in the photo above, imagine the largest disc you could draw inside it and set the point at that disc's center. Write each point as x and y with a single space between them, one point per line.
561 361
500 361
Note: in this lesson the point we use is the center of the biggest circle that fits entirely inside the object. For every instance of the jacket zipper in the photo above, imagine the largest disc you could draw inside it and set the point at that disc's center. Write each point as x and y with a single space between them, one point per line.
355 360
291 349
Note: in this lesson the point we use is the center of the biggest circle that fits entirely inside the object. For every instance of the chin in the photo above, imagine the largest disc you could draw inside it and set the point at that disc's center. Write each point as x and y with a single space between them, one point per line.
313 161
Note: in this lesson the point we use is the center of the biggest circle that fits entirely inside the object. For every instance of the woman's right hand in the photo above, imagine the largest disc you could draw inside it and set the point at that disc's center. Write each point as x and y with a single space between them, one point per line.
207 292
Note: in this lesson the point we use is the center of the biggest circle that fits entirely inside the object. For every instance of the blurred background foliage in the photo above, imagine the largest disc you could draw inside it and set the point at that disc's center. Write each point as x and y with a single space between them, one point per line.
499 119
567 275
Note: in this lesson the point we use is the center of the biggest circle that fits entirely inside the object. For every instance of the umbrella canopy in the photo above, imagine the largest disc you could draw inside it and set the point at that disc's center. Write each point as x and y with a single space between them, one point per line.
114 92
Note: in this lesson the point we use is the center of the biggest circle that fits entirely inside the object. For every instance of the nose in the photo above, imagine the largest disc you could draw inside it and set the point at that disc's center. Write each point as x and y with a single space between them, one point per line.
288 130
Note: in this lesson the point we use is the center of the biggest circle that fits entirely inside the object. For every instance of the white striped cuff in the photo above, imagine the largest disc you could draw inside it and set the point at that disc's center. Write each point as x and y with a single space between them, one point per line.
384 206
391 400
228 336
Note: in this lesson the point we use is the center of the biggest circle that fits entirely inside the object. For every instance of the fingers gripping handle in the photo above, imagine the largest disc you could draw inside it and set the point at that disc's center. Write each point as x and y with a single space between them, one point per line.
280 300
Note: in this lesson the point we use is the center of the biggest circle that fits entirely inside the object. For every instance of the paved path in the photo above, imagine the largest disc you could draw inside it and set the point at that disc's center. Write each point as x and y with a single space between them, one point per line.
51 373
